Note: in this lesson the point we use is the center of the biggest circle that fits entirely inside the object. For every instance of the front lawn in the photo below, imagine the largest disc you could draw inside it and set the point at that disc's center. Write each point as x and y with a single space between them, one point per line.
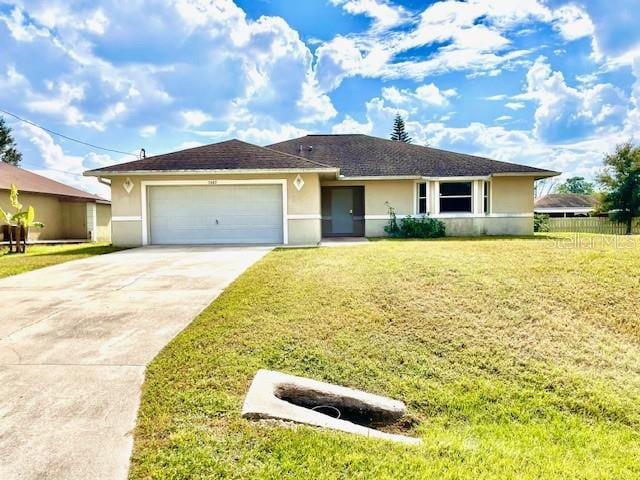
517 358
39 256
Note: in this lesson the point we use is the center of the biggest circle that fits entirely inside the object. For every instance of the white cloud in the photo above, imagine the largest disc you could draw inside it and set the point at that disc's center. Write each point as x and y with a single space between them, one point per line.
271 134
13 80
259 71
475 34
504 118
384 14
194 118
148 131
473 46
572 22
20 28
564 112
350 125
60 102
495 98
63 167
428 94
61 16
514 105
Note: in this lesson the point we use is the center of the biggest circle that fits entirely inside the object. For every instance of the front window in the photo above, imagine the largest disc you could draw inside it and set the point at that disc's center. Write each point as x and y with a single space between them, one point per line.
422 198
455 197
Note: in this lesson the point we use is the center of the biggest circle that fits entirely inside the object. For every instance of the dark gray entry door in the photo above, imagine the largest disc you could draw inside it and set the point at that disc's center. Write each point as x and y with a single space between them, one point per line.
342 211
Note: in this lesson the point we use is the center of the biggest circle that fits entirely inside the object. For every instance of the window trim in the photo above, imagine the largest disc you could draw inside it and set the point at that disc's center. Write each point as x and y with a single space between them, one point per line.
470 197
417 198
486 197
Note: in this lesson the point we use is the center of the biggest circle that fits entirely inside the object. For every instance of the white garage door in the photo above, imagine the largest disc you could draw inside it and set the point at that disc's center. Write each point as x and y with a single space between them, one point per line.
215 214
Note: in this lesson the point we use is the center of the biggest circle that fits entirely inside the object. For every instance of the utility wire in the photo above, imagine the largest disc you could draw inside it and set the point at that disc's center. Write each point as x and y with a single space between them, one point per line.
66 137
44 167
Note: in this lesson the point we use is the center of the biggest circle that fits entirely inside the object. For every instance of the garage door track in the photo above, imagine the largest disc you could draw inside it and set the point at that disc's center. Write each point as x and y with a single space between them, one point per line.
74 342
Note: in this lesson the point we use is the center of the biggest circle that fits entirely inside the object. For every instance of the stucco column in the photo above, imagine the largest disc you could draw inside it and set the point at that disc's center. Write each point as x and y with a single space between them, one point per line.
436 198
477 193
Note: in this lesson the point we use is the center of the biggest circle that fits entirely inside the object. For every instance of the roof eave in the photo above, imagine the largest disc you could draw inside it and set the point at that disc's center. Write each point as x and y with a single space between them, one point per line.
380 177
84 198
563 209
538 175
236 171
451 178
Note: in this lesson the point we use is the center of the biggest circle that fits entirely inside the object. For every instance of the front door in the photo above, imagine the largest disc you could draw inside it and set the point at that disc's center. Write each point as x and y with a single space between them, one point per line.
342 211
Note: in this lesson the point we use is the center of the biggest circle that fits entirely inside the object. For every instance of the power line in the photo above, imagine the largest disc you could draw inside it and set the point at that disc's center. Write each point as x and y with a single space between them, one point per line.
65 136
44 167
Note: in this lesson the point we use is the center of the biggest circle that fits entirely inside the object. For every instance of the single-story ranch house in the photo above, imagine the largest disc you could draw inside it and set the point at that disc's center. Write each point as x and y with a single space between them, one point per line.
67 213
301 190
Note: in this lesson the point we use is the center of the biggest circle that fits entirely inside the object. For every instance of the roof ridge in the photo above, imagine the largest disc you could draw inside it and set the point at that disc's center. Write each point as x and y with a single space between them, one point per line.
385 155
298 157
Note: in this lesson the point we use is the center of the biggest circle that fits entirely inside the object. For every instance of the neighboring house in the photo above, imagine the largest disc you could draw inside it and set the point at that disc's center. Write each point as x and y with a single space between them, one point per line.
67 213
566 205
298 191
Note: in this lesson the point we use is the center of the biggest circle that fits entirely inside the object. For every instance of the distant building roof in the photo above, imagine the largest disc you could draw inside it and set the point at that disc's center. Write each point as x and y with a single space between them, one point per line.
27 181
565 202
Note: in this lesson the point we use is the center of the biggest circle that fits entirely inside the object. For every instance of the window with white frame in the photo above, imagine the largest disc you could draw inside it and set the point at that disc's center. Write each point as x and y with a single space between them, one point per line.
456 197
422 198
486 197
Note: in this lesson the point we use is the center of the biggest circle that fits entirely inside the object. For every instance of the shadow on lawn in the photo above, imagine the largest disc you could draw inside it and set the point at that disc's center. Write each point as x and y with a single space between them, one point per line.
87 250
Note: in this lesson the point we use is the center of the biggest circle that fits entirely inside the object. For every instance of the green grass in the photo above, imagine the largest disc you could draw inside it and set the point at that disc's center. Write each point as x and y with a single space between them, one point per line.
517 359
39 256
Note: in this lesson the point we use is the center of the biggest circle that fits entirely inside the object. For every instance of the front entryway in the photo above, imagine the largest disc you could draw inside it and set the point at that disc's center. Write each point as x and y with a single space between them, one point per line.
342 211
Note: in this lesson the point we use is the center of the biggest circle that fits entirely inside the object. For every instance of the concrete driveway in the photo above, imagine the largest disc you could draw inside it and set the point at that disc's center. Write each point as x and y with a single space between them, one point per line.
74 342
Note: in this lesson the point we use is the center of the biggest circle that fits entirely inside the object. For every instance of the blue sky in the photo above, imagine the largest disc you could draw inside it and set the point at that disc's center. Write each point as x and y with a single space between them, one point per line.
550 83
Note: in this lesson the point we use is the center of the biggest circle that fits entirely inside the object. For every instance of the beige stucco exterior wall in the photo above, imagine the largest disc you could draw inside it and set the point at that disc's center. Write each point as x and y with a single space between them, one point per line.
304 202
74 219
62 219
512 195
48 211
103 222
511 201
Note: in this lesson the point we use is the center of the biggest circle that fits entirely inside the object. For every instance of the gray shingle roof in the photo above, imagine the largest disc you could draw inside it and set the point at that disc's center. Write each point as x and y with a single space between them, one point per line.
566 200
228 155
362 156
354 155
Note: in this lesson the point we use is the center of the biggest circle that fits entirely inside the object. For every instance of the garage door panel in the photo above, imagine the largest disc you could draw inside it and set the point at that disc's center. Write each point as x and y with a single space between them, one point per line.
205 214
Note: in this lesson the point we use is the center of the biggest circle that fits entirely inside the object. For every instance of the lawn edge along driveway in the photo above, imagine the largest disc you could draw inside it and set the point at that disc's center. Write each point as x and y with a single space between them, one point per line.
74 349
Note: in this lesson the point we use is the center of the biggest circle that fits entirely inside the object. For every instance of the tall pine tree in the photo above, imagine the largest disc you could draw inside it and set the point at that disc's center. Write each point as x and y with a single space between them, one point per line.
8 151
399 134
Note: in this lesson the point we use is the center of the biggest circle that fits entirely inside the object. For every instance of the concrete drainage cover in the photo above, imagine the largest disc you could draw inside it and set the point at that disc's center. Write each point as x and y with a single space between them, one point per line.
276 395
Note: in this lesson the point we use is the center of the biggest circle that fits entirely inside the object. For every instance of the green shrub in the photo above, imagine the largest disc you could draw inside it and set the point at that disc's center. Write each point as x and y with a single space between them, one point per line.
540 222
413 227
